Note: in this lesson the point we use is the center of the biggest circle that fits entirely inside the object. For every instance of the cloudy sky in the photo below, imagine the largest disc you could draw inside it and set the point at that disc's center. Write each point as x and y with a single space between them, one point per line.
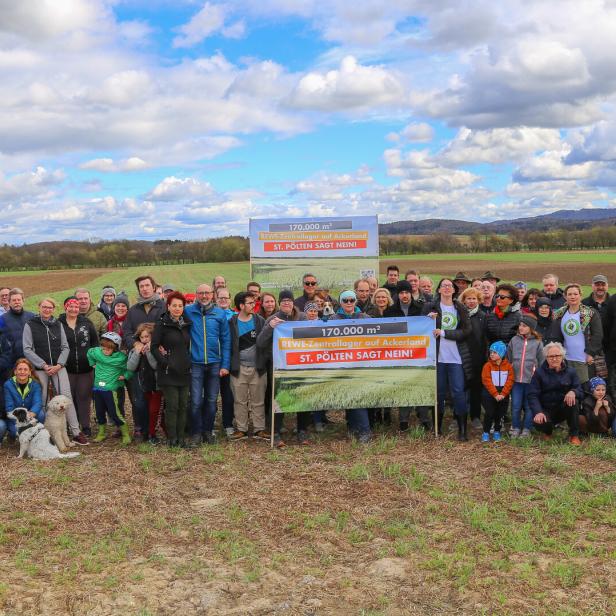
158 119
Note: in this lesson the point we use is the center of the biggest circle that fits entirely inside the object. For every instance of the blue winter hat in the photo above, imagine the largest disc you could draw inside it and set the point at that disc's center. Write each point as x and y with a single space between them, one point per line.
595 382
499 348
347 295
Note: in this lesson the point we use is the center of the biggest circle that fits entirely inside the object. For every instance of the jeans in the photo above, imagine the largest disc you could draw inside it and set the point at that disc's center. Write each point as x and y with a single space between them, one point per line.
204 387
226 396
570 414
141 418
519 401
3 429
494 411
357 421
451 376
109 404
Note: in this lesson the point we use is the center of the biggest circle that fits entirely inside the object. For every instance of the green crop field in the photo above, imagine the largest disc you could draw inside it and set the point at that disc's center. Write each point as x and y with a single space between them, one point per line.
305 390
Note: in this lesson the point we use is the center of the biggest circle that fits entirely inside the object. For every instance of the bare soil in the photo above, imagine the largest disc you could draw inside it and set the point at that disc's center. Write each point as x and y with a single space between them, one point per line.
326 529
51 282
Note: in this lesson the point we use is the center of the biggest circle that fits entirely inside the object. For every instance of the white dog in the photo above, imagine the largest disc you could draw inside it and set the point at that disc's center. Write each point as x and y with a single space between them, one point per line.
34 438
55 422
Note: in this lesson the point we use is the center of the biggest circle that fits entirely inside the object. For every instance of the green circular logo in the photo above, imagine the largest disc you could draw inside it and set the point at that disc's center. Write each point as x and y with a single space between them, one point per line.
571 327
449 321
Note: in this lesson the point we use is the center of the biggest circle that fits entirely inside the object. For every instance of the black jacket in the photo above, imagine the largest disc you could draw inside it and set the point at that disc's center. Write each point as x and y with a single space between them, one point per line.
137 315
477 343
548 387
415 308
259 322
460 335
79 340
503 329
174 336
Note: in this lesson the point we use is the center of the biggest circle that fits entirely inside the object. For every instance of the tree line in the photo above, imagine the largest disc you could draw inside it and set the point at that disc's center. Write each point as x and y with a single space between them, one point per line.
124 253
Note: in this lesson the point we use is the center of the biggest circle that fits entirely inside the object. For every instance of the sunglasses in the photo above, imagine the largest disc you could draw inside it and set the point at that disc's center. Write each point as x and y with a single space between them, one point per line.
500 296
348 300
310 284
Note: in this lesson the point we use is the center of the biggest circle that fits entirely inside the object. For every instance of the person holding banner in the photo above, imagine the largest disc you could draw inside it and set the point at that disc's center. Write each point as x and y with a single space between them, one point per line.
288 312
454 362
358 421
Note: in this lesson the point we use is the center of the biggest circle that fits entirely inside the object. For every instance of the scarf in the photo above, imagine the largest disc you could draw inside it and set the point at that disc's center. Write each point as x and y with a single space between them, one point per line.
206 307
500 314
474 311
151 300
115 319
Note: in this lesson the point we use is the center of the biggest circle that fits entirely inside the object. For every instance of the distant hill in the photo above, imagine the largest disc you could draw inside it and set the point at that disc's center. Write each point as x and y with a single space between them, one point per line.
562 219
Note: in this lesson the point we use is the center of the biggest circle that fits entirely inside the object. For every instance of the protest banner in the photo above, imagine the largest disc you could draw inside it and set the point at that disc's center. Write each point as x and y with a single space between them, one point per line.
354 363
337 251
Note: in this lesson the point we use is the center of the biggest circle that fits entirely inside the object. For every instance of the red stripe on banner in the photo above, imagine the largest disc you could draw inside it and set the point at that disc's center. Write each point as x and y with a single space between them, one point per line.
314 245
307 358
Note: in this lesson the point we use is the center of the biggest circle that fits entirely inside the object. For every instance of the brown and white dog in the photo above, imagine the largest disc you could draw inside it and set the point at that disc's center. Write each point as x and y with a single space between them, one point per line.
34 438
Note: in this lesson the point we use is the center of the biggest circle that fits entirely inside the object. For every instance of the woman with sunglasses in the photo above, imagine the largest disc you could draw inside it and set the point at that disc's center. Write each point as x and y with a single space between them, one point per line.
502 323
454 364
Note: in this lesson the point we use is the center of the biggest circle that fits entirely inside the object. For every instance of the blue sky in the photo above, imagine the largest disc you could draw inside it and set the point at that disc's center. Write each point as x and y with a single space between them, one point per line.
135 119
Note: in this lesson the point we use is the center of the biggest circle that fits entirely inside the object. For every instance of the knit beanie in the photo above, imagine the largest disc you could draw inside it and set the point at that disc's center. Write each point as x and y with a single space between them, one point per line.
310 306
595 382
347 295
122 298
530 320
285 294
499 348
543 301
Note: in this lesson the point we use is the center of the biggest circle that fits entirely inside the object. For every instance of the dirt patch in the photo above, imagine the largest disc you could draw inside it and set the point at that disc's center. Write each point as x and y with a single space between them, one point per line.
404 526
50 282
581 273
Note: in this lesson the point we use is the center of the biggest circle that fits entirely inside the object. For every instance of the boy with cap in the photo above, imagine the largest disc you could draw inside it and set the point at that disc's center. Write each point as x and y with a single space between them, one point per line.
497 377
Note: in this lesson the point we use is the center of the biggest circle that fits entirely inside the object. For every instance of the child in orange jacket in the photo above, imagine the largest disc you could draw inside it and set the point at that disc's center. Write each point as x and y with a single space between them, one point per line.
497 377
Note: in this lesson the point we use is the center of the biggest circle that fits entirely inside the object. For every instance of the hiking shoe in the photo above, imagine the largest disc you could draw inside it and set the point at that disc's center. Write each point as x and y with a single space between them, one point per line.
303 438
154 440
575 441
514 432
81 439
87 432
496 436
209 438
262 434
485 437
525 433
476 424
238 435
229 432
278 442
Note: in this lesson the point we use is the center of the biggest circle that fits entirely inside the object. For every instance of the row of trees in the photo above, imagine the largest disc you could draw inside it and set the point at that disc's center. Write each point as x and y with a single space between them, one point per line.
59 255
561 239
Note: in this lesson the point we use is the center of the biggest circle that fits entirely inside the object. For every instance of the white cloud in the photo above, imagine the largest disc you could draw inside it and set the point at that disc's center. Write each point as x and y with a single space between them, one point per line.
208 21
497 145
551 165
23 186
352 86
108 165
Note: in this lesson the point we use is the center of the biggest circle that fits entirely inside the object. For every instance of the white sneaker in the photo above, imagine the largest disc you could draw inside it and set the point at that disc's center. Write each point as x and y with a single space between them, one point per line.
525 433
514 432
229 431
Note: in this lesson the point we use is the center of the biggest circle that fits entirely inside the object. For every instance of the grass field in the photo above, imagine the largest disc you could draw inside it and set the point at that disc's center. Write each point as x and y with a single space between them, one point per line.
306 390
406 525
287 273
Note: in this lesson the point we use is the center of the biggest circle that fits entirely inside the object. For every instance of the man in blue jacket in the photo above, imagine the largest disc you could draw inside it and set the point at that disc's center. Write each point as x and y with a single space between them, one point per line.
210 349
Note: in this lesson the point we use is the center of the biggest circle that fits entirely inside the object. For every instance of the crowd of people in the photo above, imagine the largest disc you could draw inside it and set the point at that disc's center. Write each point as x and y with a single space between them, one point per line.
537 358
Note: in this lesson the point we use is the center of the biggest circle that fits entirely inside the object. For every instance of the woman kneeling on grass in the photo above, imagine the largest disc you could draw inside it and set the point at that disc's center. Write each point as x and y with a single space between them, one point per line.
22 389
598 414
171 348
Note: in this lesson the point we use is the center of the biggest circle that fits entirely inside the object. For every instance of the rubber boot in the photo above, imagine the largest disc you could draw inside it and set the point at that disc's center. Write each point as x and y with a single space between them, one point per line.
125 434
100 435
462 420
